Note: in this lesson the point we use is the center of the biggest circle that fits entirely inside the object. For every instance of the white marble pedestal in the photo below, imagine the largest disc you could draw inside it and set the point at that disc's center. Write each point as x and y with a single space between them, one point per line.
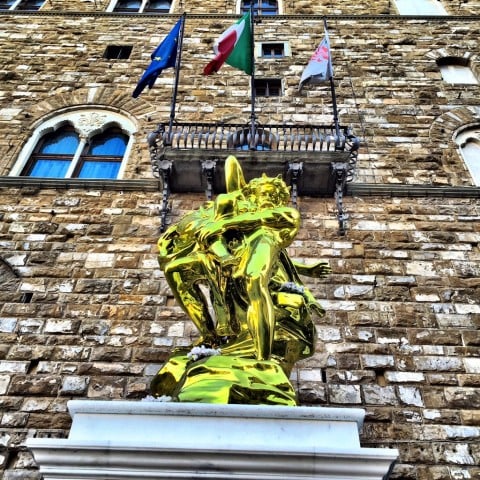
152 440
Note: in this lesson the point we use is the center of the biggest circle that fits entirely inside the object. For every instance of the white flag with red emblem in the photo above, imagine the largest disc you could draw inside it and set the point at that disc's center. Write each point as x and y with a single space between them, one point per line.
319 68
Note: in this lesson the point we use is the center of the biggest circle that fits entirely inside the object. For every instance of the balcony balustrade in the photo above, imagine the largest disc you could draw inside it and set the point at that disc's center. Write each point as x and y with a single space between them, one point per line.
315 160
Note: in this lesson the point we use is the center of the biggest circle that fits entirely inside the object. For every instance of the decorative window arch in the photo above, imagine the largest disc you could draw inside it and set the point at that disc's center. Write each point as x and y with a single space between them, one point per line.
260 7
140 6
456 70
30 5
83 143
468 141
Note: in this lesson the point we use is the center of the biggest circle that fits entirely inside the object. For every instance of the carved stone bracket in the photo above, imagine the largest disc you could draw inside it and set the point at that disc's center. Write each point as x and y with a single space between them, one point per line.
208 170
295 169
165 170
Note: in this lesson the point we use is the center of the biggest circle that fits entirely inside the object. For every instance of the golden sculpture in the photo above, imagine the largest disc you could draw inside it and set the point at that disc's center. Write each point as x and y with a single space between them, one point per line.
228 269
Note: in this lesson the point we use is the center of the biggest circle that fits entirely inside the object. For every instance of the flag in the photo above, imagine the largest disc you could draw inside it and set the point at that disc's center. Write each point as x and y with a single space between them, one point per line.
234 47
164 56
319 68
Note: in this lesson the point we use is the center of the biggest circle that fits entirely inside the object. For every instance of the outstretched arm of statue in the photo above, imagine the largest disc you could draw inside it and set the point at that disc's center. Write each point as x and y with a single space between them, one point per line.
316 270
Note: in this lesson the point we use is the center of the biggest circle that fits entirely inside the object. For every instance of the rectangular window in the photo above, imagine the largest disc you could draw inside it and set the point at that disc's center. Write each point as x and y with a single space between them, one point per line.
420 7
268 87
458 74
117 52
273 50
260 7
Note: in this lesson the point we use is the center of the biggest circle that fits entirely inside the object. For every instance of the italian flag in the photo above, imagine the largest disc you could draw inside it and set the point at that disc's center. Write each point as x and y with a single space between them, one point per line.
234 47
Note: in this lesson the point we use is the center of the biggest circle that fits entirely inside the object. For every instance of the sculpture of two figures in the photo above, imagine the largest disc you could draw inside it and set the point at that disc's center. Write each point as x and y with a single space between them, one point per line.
228 268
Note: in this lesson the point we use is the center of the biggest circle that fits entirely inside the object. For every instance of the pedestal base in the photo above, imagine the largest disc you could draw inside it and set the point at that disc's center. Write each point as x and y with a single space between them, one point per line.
152 440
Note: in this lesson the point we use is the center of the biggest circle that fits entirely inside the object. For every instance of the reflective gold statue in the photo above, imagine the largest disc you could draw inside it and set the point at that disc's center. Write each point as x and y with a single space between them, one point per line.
228 269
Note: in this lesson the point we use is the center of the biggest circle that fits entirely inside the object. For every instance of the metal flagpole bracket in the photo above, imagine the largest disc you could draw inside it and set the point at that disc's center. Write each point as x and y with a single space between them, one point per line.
340 171
295 169
165 169
208 170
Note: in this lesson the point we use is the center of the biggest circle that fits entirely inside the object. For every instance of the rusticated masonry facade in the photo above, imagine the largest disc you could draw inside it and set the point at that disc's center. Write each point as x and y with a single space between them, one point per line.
85 311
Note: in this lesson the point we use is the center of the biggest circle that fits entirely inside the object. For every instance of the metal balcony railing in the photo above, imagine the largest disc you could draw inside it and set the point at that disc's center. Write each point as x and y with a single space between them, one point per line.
304 138
316 160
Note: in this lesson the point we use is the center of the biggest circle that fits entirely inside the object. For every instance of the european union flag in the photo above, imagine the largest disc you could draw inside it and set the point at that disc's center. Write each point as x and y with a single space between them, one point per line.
164 56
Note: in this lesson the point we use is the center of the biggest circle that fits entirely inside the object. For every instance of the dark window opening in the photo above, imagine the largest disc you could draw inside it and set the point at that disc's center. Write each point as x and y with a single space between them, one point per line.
27 297
159 6
273 50
271 87
6 5
30 5
117 52
128 6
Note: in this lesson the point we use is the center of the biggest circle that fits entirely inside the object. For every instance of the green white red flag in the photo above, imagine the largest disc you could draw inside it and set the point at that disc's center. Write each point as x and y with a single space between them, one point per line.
234 47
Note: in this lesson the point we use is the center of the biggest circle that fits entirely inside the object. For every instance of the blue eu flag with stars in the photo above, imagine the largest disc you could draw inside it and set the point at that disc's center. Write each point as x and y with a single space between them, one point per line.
164 56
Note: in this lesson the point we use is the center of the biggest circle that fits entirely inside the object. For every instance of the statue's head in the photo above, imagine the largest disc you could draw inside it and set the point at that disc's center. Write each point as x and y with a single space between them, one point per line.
267 191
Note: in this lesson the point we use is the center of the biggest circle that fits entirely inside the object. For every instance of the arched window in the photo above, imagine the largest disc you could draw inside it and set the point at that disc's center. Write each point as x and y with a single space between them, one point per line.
456 70
469 143
140 6
127 6
80 144
31 5
260 7
103 157
159 6
53 155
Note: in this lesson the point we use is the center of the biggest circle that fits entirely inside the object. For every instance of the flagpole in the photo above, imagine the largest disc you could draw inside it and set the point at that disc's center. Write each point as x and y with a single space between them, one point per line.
252 80
334 96
177 76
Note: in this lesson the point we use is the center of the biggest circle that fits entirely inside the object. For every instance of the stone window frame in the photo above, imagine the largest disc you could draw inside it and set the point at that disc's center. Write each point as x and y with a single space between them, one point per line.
280 6
87 122
468 137
428 3
287 51
117 52
457 70
443 133
18 3
143 6
464 57
266 83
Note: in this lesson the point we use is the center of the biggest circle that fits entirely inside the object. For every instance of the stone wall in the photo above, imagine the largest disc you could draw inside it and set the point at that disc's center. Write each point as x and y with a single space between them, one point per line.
388 85
85 311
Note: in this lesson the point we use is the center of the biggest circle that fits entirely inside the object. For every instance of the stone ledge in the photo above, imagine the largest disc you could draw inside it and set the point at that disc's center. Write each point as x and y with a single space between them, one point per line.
155 440
150 185
387 190
429 18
